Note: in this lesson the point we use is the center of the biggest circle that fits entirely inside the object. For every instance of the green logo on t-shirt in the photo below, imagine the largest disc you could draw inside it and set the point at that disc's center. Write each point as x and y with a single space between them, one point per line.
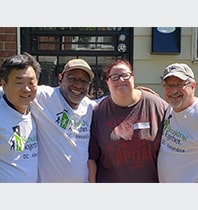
64 120
19 144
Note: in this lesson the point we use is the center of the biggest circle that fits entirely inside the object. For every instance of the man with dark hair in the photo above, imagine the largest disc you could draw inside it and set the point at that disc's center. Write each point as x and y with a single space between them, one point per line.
18 137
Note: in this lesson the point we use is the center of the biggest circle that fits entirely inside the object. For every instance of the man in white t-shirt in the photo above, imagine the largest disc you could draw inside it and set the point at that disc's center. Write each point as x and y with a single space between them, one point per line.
18 136
63 116
178 155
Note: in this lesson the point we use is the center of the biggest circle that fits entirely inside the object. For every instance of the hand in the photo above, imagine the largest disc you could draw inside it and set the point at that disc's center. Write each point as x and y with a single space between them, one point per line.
147 89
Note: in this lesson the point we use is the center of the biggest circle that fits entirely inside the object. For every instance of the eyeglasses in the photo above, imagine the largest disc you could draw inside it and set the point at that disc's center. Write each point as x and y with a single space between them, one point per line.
124 76
73 79
176 86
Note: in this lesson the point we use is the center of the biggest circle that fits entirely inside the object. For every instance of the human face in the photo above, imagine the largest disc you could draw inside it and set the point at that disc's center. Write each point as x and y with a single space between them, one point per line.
74 86
21 88
178 93
120 80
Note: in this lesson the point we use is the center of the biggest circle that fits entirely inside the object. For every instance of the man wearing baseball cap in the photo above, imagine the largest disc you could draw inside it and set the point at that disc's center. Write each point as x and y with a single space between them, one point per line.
63 116
78 64
178 155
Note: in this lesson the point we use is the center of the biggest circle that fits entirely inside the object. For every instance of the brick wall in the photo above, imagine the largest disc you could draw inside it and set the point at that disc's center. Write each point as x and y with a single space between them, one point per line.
8 42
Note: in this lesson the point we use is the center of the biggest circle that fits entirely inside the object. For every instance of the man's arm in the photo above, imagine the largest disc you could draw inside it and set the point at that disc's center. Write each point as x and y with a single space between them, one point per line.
92 168
147 89
1 91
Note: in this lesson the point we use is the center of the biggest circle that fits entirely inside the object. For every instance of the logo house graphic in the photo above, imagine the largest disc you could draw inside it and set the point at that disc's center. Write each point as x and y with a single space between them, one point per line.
62 119
16 140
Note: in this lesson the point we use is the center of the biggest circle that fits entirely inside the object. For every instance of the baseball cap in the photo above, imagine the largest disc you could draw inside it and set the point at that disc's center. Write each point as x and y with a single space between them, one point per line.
78 64
180 70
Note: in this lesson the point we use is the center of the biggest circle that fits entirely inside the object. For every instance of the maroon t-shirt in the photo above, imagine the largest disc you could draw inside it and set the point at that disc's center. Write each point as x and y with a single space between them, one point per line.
125 140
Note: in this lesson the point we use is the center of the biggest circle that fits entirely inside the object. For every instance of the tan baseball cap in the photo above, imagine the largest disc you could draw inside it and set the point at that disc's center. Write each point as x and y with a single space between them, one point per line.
78 63
180 70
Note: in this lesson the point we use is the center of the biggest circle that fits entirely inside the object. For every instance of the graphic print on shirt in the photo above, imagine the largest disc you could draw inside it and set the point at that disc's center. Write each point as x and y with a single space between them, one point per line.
132 154
125 130
173 139
62 119
133 139
76 127
17 142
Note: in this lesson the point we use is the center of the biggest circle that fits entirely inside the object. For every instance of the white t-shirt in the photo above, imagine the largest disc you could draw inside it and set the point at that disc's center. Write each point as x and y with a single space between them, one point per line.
18 146
178 155
63 136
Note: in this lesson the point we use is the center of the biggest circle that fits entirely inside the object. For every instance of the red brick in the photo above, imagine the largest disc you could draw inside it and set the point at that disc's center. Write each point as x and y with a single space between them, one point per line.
7 53
10 46
1 46
8 30
4 37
